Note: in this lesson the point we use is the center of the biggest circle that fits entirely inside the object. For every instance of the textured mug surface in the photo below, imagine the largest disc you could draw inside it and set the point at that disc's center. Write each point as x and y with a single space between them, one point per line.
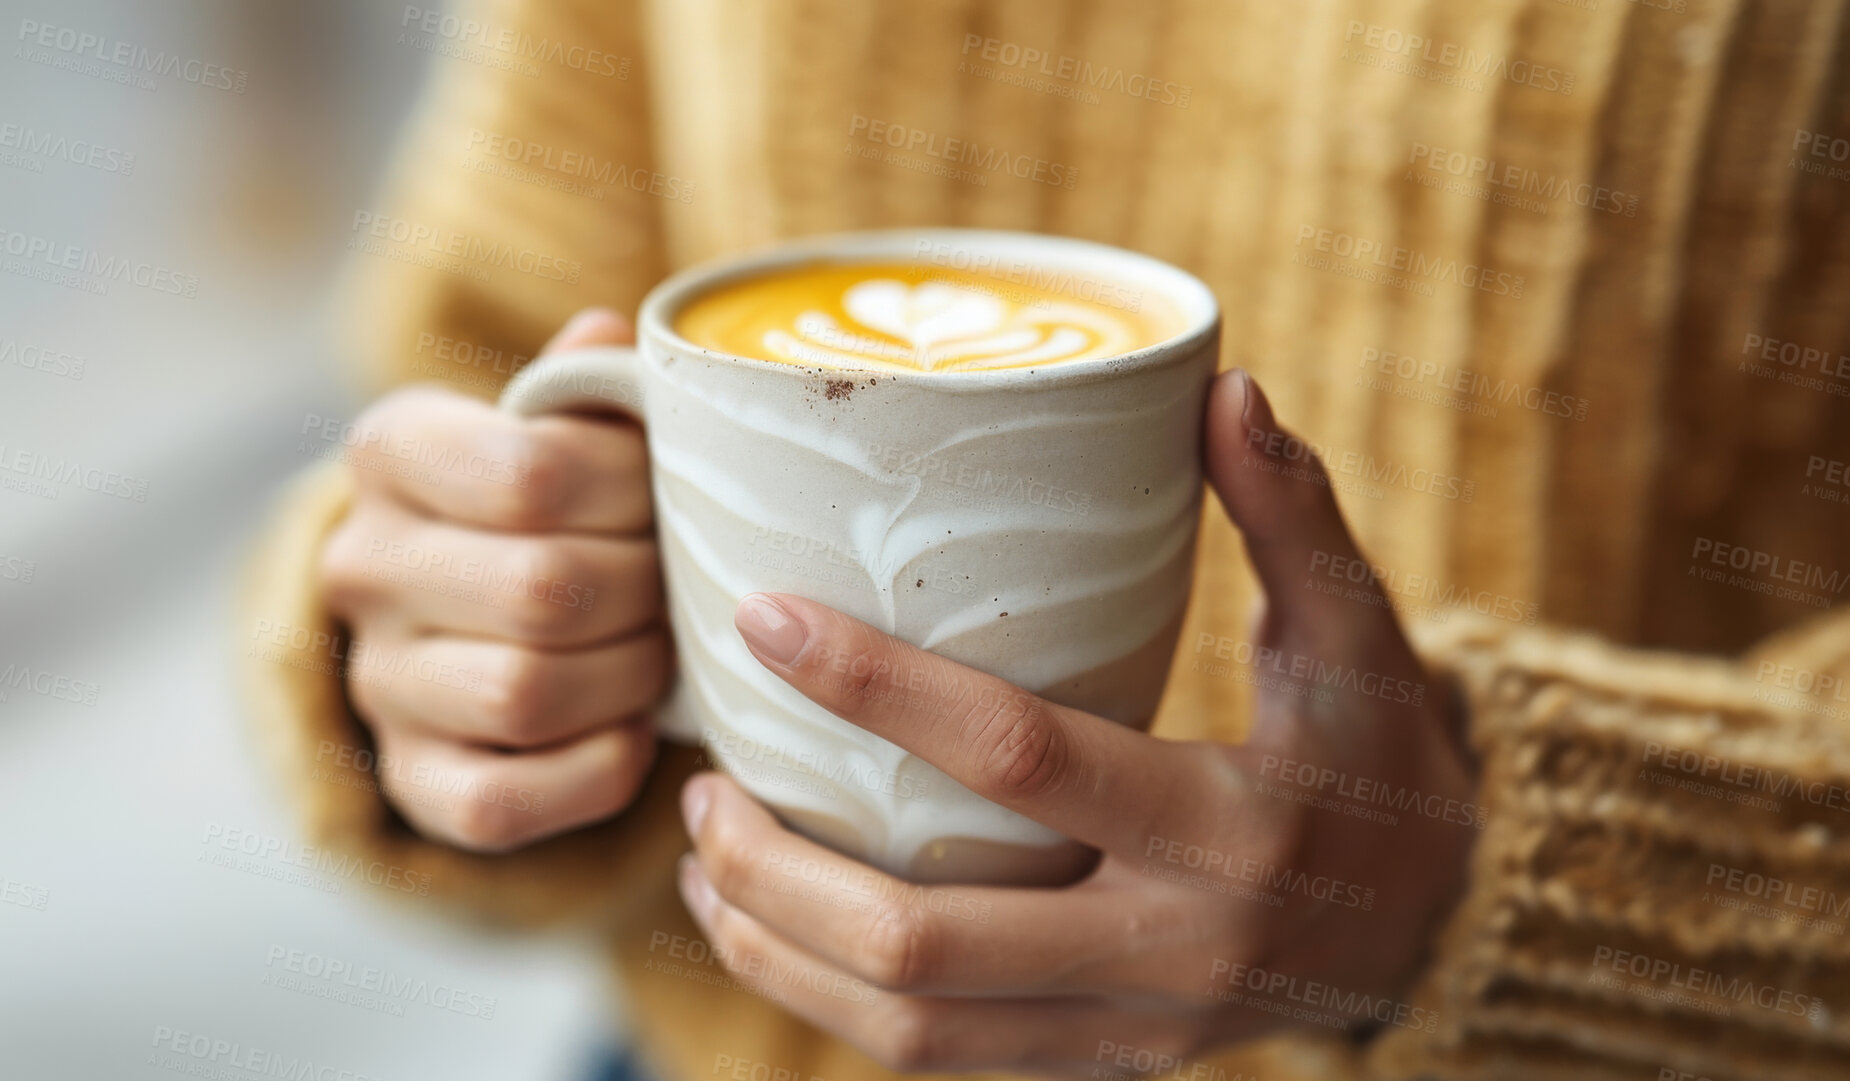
1037 524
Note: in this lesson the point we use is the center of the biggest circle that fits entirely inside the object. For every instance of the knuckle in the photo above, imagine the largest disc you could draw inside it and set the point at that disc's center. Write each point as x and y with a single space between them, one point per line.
617 786
1209 773
516 701
739 947
483 825
539 565
391 411
1020 752
634 585
538 480
371 704
732 856
854 677
899 951
382 426
630 487
863 678
908 1041
654 661
627 752
342 568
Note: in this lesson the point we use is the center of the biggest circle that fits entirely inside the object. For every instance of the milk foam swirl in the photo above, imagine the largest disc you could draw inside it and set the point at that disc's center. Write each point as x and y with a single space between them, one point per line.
948 327
905 318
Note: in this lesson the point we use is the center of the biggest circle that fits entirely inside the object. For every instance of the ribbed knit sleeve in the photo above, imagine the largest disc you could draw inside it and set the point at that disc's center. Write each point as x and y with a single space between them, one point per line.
525 188
1663 886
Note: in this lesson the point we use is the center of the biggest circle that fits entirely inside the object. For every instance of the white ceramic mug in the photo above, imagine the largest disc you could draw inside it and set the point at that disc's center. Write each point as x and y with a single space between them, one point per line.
1035 523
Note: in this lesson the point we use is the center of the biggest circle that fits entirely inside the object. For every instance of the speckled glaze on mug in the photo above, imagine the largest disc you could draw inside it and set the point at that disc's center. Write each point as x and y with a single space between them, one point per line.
1035 523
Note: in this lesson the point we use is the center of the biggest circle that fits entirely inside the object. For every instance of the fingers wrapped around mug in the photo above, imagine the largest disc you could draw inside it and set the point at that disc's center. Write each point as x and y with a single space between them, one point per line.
944 939
500 589
484 800
387 566
450 456
1074 772
1117 931
919 978
501 696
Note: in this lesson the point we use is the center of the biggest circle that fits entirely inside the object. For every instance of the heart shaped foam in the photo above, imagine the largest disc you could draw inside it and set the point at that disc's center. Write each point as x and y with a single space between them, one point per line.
925 314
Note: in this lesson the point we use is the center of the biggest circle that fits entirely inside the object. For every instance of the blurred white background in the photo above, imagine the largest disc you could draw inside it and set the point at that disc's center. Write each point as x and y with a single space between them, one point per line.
111 924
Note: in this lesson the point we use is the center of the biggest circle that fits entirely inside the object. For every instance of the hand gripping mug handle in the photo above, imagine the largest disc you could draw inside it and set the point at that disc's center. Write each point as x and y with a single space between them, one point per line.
601 378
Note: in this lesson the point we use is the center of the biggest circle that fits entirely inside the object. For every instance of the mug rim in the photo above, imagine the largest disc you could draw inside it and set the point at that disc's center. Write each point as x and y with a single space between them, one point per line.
1189 294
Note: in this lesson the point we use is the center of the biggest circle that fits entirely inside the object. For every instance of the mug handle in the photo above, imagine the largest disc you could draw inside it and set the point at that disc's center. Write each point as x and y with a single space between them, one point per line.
600 377
603 378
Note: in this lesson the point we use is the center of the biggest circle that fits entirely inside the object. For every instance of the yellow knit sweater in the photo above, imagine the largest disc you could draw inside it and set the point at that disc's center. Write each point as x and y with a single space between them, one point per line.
1557 286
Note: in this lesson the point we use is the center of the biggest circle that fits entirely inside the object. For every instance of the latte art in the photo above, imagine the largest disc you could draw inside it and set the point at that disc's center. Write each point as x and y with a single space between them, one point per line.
907 317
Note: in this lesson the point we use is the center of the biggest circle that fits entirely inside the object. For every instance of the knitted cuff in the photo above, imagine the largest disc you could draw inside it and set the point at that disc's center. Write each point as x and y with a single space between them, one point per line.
1662 890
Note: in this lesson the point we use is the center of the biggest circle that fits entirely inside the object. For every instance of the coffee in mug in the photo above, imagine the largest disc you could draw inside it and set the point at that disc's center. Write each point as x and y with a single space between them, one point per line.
913 317
993 453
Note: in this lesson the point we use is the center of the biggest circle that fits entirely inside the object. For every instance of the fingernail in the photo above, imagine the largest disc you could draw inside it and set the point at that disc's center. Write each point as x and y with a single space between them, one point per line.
696 801
772 631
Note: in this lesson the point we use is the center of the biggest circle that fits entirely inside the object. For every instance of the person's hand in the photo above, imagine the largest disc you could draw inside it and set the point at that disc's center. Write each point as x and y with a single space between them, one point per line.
499 582
1293 880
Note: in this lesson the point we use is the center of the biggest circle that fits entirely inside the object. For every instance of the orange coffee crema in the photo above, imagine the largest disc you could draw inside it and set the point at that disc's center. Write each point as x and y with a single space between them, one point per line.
919 318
